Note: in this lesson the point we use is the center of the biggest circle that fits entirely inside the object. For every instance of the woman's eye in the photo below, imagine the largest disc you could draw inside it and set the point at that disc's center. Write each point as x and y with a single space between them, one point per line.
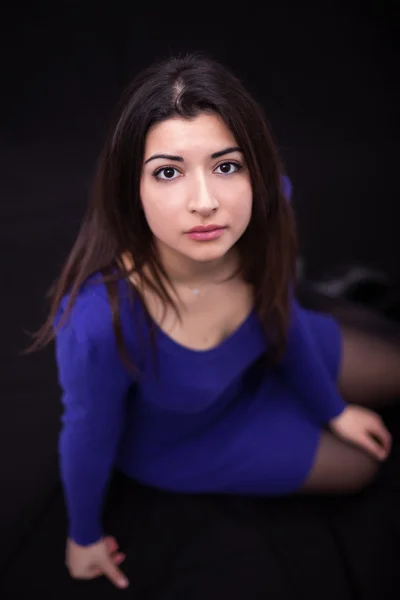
166 173
227 168
170 173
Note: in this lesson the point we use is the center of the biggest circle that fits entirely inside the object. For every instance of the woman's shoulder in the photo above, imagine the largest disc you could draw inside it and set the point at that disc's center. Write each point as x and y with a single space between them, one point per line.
86 343
90 314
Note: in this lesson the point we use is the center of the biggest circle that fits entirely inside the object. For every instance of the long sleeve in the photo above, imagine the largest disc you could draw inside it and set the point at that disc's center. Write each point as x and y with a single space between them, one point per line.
94 387
304 369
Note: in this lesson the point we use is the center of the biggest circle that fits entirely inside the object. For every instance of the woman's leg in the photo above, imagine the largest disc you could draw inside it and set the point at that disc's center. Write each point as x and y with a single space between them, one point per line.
339 468
370 368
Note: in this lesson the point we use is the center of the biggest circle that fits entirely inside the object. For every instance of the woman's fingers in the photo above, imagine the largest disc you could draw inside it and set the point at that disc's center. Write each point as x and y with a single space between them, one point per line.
376 439
117 559
372 446
380 433
111 543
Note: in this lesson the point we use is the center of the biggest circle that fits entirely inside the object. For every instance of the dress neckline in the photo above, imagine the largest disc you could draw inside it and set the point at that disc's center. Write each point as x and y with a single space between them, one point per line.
175 347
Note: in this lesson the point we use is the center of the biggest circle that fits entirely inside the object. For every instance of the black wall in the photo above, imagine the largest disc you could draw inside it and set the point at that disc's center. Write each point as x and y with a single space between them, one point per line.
326 75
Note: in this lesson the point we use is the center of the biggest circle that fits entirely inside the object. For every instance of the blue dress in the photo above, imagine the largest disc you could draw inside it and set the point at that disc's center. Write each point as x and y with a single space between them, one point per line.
193 421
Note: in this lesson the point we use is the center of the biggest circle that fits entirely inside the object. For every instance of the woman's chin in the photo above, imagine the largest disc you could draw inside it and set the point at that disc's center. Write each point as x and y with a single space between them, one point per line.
207 254
196 252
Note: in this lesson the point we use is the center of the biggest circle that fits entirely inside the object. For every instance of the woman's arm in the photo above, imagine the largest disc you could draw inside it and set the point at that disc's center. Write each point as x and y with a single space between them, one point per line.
94 387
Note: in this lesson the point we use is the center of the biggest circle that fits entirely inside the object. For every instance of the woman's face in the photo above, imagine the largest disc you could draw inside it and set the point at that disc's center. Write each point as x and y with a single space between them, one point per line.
194 176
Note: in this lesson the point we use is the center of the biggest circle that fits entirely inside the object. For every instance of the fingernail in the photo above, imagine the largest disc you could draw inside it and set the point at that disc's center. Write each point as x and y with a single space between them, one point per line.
123 583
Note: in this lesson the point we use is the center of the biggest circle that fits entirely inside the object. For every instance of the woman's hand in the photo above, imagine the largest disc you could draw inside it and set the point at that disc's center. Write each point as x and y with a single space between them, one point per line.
364 428
101 558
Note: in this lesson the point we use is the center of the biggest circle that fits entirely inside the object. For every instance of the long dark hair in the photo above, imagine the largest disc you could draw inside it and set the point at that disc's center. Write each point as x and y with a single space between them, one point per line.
115 224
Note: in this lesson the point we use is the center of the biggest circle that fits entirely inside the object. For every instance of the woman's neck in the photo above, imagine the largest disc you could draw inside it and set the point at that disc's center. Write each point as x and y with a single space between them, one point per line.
183 271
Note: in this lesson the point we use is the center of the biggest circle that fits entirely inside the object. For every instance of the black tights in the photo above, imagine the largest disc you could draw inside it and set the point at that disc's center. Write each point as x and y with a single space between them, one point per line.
340 468
370 377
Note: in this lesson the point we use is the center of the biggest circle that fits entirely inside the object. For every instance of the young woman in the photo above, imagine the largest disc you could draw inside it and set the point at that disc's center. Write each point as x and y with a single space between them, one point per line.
184 360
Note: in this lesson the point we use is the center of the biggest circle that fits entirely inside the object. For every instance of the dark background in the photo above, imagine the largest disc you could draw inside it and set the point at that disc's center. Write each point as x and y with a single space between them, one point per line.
326 76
